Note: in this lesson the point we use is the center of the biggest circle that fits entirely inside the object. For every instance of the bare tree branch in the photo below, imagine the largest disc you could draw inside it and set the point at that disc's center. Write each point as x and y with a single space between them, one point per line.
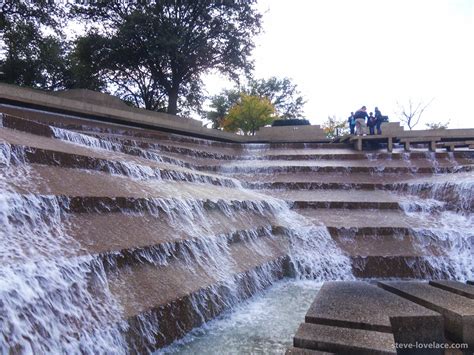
411 116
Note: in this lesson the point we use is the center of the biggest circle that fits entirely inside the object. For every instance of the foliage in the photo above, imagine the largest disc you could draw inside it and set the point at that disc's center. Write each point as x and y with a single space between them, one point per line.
220 105
282 93
411 113
334 127
249 114
156 52
32 60
29 57
437 125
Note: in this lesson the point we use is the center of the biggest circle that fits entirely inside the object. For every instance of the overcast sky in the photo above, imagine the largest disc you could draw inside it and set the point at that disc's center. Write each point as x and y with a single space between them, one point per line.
343 54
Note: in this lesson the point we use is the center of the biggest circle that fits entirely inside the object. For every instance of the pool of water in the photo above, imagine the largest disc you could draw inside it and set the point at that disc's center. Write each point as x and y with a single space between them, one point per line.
264 324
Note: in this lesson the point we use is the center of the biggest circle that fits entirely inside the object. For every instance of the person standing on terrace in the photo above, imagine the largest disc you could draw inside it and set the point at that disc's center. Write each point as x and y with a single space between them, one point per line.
379 119
360 117
352 123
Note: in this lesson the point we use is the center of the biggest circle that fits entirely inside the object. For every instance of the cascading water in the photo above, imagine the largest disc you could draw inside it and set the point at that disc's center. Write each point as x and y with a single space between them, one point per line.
55 298
51 299
446 201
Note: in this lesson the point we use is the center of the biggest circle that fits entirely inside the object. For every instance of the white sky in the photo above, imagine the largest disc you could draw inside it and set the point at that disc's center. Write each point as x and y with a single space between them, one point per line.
343 54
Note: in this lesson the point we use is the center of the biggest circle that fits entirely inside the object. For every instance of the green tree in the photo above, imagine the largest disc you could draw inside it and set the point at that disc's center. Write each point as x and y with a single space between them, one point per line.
220 105
32 59
156 52
249 114
28 56
282 93
334 127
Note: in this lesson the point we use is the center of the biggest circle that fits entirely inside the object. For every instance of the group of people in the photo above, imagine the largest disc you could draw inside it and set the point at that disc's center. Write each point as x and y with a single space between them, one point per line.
360 119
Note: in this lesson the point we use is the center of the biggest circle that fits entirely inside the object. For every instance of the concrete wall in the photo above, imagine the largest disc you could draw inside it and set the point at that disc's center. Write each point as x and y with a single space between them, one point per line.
89 103
291 133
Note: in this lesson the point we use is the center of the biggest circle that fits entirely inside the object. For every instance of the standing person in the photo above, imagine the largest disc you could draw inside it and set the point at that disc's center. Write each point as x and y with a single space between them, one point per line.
352 122
360 116
378 120
371 122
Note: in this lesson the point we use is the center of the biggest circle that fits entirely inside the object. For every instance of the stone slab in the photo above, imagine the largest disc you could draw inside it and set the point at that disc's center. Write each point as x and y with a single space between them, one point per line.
457 311
360 305
301 351
457 287
343 340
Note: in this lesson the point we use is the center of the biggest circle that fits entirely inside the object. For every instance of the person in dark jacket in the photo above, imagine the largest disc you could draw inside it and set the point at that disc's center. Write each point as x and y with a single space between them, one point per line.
352 122
371 123
379 119
360 116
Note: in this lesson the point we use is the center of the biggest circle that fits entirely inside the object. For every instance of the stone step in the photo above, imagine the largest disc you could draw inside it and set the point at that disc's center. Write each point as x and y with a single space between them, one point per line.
351 205
376 169
384 222
457 311
82 183
300 351
396 242
457 287
53 152
359 305
399 267
177 297
343 340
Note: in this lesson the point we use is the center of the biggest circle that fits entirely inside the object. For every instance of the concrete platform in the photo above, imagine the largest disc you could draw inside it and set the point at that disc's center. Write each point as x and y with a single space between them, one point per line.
300 351
457 311
359 305
343 340
457 287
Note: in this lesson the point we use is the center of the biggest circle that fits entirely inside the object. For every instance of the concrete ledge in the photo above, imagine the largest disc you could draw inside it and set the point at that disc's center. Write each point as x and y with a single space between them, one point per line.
457 311
359 305
343 340
292 134
300 351
457 287
102 107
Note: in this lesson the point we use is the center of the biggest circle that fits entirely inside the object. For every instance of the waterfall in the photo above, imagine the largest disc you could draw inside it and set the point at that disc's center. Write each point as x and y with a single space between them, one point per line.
216 241
52 298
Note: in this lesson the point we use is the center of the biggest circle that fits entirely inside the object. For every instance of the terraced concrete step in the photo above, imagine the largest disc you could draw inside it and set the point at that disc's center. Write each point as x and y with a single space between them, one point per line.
457 287
343 340
82 183
399 267
285 168
54 152
346 221
457 311
359 305
180 296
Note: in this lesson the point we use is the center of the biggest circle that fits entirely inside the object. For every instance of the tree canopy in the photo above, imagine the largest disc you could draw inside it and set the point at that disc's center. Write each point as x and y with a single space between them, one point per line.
282 93
32 50
154 53
249 114
334 127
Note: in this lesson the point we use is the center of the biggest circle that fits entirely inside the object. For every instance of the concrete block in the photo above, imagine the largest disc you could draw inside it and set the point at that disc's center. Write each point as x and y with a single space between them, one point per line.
300 351
457 311
343 340
292 134
457 287
360 305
